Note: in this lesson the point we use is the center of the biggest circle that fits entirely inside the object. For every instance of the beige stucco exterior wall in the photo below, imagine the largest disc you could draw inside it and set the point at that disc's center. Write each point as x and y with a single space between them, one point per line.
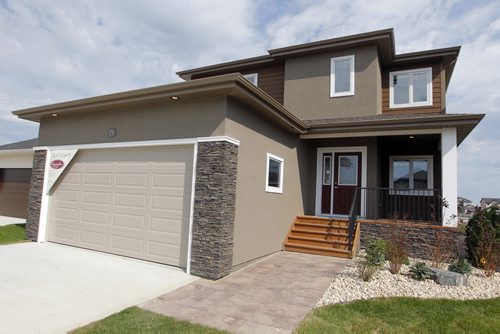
262 219
307 85
169 120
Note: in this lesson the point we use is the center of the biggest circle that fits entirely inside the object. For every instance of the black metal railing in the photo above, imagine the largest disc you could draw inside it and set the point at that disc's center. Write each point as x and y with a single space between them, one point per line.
414 205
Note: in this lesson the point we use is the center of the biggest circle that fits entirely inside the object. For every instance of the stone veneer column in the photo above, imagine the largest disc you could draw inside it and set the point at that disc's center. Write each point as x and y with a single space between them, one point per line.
35 199
214 207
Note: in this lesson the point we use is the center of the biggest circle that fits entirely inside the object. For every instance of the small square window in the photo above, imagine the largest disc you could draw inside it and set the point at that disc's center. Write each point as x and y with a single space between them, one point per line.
342 76
274 174
252 77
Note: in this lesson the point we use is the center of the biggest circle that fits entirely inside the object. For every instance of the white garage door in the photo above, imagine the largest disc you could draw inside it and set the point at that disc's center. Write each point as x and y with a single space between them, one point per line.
133 202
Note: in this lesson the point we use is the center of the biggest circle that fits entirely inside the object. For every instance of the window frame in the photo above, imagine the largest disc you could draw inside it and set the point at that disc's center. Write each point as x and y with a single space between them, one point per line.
351 76
411 103
412 191
252 76
271 189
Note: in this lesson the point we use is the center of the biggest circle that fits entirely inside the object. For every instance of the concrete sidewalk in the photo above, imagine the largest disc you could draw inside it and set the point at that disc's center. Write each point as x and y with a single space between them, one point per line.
4 220
50 288
269 296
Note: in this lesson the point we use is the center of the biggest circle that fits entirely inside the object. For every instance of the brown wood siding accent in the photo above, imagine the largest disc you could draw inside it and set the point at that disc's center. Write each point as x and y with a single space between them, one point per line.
14 191
271 79
438 103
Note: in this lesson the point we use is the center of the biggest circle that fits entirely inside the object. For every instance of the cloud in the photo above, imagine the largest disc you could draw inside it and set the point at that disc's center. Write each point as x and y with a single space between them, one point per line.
67 50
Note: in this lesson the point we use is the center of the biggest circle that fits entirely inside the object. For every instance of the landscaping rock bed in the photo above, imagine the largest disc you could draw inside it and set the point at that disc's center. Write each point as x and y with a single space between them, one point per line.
347 286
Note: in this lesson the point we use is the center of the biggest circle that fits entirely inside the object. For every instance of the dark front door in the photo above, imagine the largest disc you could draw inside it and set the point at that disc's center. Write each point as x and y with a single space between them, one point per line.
347 178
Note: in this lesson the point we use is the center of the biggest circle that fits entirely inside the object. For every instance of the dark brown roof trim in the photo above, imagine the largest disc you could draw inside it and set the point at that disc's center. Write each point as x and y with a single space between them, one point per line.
229 84
334 42
247 62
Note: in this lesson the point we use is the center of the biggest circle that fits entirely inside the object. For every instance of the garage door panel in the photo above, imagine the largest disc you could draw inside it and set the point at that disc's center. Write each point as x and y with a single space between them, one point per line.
65 213
64 234
89 237
131 179
127 244
165 225
66 194
98 179
132 202
95 197
94 217
131 221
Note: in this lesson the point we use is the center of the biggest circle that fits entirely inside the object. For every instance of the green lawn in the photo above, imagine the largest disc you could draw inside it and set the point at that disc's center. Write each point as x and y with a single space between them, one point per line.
405 315
136 320
12 233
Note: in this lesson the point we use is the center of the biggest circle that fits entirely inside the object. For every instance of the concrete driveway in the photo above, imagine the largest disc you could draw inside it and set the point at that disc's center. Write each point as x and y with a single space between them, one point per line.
4 220
51 288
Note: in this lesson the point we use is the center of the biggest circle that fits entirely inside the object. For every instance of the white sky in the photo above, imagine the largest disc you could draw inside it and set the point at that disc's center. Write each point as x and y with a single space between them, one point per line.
53 51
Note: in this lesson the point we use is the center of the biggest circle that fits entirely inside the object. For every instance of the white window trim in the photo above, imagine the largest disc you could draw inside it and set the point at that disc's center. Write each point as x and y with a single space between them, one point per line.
252 77
332 77
269 189
411 191
392 105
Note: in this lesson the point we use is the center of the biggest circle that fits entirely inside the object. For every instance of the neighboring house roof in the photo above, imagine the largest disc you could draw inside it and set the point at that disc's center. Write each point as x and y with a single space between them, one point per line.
383 39
489 200
20 145
464 123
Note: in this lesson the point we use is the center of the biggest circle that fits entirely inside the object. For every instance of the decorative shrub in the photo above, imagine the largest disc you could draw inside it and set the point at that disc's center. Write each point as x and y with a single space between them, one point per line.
373 259
395 252
444 250
420 271
461 266
483 239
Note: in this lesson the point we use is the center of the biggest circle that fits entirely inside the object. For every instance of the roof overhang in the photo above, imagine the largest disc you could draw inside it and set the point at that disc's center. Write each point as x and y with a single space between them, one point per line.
384 125
233 85
383 39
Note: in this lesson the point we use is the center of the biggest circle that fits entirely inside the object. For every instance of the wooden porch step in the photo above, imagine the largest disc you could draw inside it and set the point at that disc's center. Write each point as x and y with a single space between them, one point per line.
325 235
323 220
293 247
320 227
331 244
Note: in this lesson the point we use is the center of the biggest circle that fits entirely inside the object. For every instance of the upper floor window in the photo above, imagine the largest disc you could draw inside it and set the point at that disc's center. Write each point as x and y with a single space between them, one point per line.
342 76
252 77
411 88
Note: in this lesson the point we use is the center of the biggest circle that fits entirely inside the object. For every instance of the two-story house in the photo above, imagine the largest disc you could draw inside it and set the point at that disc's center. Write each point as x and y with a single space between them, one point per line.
208 174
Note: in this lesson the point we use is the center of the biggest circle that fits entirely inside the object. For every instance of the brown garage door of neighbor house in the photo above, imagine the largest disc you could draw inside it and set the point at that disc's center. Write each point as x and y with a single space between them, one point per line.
129 201
14 191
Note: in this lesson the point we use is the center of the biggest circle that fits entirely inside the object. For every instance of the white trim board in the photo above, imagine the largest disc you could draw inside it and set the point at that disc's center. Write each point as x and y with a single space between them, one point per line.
319 181
150 143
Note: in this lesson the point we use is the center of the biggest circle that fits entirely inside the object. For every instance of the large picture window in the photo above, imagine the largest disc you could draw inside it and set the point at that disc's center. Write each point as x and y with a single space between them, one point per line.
274 174
411 88
342 76
411 172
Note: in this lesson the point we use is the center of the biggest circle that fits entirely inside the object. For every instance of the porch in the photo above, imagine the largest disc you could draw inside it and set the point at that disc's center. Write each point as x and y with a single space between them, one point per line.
397 177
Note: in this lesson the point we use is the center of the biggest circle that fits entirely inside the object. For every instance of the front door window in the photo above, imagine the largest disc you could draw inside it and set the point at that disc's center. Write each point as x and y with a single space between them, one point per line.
348 170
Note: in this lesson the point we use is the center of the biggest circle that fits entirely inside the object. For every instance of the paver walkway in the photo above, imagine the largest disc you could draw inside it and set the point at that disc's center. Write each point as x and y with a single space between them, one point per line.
269 296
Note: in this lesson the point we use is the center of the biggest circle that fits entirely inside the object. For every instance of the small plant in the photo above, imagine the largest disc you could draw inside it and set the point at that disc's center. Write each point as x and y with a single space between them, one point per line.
461 266
420 271
373 259
444 250
395 250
